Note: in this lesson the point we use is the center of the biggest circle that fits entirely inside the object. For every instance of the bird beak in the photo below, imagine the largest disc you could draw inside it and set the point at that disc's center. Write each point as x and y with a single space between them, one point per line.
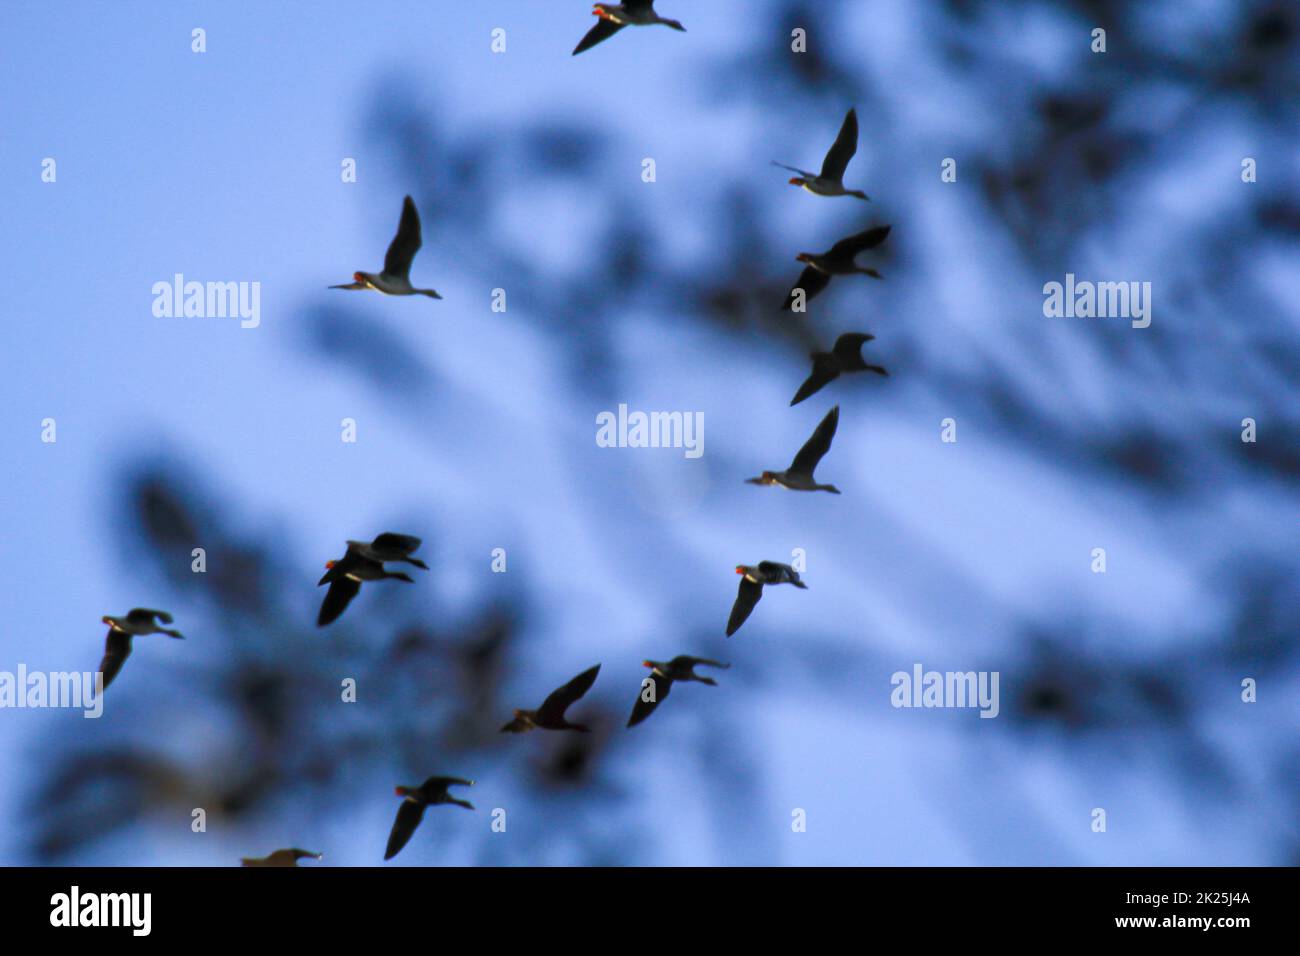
740 569
647 664
105 619
329 564
796 181
400 791
358 277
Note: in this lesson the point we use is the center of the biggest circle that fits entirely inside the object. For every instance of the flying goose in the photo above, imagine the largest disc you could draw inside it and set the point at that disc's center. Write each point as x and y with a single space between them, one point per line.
550 716
417 800
616 16
830 181
660 682
117 645
799 476
844 356
751 588
396 277
836 261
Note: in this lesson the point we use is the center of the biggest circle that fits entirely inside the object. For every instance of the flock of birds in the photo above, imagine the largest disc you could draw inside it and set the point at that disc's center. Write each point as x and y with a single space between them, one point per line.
365 561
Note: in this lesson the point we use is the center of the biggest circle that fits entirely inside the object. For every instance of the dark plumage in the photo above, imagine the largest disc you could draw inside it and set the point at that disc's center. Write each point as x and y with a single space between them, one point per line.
417 800
550 716
751 588
662 675
839 260
844 356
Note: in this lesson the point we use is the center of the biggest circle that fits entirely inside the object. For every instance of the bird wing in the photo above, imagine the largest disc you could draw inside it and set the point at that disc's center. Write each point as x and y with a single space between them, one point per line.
400 543
602 31
147 615
819 444
848 349
845 145
337 598
850 247
795 169
117 648
824 371
553 707
749 594
441 783
635 5
812 281
409 815
402 250
644 708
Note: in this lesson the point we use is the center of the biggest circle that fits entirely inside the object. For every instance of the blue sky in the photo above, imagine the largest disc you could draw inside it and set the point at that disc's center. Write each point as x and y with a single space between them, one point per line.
480 430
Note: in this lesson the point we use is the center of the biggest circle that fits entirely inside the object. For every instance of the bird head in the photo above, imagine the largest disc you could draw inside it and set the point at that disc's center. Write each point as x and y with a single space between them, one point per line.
359 277
741 569
804 257
330 564
797 181
402 791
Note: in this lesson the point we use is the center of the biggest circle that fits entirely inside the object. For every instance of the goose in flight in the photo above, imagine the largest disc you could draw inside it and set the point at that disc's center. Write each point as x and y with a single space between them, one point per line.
117 645
396 277
844 356
656 687
418 799
799 476
830 181
344 577
751 588
616 16
550 716
836 261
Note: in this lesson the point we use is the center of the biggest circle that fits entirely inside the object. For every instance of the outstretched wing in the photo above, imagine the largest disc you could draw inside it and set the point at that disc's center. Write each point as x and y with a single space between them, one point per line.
746 598
644 708
795 169
397 543
805 463
441 783
409 815
602 31
824 371
553 707
117 648
848 350
337 598
147 615
812 281
402 250
846 144
850 247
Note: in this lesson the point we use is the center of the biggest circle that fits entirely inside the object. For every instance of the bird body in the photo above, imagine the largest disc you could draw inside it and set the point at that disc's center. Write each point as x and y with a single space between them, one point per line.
844 356
830 181
751 588
657 686
799 476
615 16
416 800
550 716
395 279
117 644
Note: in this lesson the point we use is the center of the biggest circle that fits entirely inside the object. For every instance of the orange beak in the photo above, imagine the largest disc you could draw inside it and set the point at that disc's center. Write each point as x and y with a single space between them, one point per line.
740 569
358 277
400 791
646 664
330 564
796 182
